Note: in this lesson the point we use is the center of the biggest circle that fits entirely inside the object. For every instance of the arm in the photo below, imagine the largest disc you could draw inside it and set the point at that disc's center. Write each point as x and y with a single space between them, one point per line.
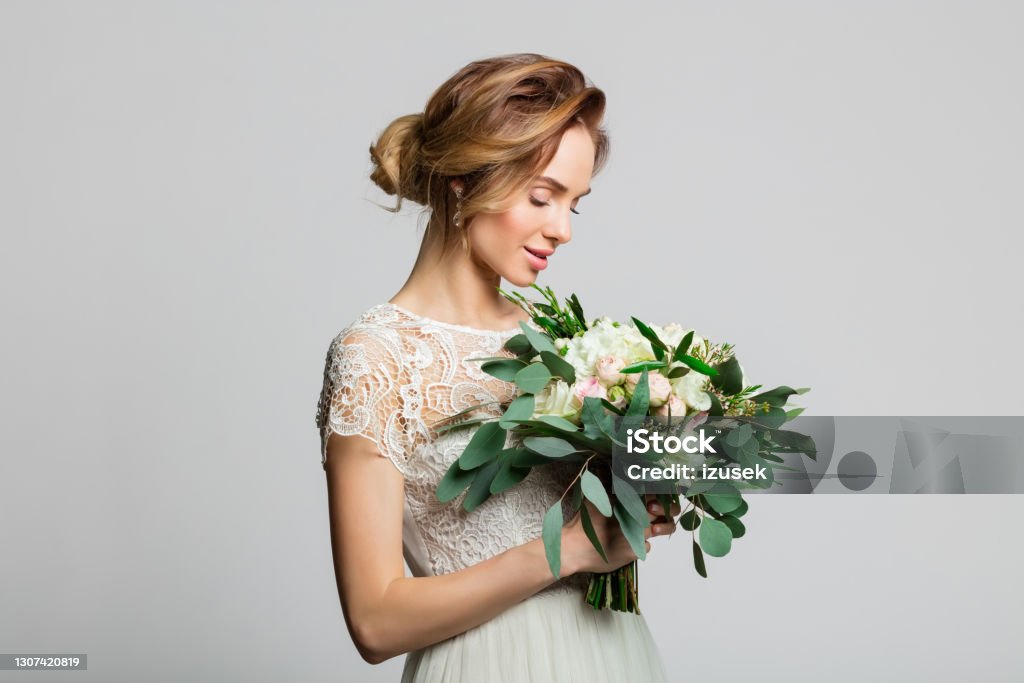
388 613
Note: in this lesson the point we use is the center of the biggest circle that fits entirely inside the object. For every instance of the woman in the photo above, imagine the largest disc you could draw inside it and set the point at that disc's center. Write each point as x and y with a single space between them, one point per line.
500 158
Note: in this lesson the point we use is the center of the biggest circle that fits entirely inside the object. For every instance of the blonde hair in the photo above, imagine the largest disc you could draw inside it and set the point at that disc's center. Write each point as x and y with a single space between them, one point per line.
494 125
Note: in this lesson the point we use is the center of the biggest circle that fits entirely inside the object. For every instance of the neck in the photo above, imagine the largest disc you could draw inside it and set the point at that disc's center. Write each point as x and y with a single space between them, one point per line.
455 288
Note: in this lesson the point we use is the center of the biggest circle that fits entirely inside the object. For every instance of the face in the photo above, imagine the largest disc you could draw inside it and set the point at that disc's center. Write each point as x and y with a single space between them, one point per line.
520 242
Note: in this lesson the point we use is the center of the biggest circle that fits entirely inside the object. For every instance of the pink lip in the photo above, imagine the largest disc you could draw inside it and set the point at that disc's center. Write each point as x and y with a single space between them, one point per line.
536 261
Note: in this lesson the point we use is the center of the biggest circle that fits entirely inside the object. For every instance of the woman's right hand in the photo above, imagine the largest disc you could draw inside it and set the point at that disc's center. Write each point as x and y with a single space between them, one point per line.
579 555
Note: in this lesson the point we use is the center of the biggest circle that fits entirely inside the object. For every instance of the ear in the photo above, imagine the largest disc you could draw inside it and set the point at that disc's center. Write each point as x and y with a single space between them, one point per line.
457 183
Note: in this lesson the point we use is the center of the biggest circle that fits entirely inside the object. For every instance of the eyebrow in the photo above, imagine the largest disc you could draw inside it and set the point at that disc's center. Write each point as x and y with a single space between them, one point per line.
559 186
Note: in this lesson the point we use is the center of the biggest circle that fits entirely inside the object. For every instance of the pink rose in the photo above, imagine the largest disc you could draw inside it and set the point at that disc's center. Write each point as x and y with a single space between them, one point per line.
590 386
697 420
675 404
660 389
607 369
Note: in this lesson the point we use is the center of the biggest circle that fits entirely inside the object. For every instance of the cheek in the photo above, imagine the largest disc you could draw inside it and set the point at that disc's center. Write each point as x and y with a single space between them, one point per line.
516 225
505 232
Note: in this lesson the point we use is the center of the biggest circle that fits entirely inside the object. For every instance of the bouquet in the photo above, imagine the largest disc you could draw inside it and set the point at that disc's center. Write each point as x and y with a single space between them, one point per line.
580 384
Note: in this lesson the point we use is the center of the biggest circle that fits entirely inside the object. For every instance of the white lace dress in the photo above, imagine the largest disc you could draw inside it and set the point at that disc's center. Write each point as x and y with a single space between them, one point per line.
389 376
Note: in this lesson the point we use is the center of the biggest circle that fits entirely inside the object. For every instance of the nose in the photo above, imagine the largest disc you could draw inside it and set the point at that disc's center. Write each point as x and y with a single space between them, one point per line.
560 229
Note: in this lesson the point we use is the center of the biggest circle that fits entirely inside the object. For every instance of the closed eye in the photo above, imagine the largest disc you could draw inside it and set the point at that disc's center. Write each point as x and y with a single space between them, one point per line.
537 202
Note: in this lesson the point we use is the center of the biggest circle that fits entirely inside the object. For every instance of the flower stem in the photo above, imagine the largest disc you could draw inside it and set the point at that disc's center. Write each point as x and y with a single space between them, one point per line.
616 590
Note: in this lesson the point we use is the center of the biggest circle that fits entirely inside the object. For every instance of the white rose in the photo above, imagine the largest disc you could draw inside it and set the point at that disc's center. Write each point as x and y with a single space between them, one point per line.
557 399
690 389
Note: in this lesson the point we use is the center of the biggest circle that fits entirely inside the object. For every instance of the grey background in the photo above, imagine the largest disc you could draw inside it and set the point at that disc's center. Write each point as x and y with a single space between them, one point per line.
188 221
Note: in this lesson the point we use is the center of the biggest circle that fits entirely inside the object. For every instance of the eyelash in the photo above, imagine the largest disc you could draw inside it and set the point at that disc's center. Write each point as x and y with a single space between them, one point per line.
537 202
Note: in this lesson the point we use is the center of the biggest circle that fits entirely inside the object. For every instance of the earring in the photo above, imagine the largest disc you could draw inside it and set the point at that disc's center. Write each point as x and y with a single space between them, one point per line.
457 218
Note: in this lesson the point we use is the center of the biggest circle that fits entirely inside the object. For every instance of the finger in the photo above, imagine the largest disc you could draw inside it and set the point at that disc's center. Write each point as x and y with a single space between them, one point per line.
647 546
676 509
654 510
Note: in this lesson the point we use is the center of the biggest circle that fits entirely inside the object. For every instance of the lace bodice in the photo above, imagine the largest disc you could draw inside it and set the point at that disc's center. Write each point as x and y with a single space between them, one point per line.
389 377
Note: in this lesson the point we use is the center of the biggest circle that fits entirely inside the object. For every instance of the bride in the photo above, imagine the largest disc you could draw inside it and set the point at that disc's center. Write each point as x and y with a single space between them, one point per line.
500 159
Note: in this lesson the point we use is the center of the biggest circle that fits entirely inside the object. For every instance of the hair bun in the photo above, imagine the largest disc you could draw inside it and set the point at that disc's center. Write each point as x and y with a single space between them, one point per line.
397 159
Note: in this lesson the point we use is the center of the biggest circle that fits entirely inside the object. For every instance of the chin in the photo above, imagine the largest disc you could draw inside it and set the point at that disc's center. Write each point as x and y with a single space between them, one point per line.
521 280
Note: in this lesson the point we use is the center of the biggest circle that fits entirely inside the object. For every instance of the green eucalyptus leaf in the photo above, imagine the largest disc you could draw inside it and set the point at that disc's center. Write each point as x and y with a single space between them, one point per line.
596 422
533 378
740 435
577 497
558 366
776 397
678 372
594 491
588 529
523 457
552 535
801 443
504 369
698 560
480 489
716 406
715 537
689 520
631 529
773 419
519 345
741 510
736 527
730 378
630 500
508 476
483 447
538 340
520 409
699 486
454 482
551 446
558 423
723 502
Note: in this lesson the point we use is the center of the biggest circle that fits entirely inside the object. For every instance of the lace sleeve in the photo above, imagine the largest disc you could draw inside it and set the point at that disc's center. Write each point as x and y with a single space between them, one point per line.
362 393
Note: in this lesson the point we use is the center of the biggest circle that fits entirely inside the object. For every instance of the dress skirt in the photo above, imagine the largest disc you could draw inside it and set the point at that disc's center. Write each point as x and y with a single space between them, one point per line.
551 636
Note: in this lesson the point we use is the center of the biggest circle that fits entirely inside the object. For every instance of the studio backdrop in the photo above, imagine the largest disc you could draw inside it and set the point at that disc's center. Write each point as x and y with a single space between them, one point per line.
188 222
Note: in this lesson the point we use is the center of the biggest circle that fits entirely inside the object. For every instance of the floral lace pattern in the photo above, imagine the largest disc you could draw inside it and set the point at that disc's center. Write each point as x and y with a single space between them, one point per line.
389 377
